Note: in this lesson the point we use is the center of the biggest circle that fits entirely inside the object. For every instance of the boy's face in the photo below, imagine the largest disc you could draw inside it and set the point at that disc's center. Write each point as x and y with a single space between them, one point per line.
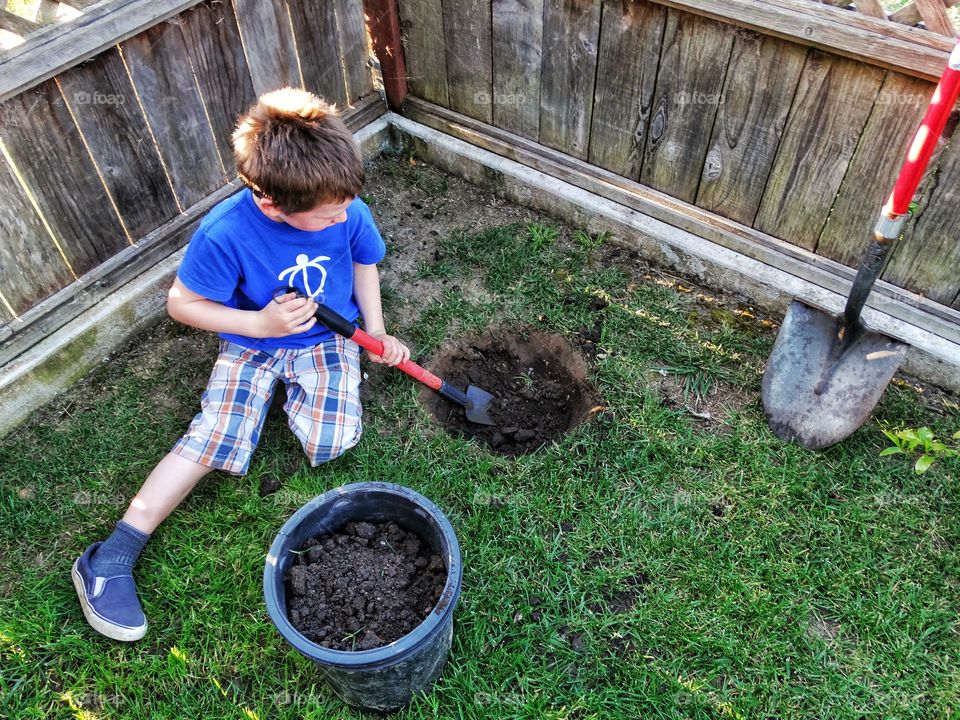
319 218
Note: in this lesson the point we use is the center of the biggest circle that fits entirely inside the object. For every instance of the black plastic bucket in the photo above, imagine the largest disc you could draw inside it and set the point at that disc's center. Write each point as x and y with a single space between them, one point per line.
385 678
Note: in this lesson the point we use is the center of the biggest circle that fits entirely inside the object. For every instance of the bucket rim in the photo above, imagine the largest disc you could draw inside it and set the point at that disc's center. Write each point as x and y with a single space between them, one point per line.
403 646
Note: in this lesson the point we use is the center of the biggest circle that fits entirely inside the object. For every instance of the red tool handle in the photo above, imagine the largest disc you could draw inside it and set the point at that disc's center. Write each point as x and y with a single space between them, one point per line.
369 342
340 325
926 138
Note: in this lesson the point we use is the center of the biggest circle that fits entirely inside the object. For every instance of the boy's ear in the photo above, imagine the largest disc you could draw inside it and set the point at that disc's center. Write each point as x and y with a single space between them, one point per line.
269 208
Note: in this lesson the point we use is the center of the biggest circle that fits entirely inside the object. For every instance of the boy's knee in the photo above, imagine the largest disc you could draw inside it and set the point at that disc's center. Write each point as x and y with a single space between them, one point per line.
324 453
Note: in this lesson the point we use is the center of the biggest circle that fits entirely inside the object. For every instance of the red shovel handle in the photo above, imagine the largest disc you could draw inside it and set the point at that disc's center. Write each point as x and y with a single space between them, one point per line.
339 324
926 138
369 342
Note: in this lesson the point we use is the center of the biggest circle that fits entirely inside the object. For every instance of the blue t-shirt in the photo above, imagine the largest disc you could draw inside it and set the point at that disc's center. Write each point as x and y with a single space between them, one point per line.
239 257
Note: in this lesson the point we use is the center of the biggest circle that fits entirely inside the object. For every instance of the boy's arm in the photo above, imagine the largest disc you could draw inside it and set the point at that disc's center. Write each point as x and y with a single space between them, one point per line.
285 316
366 290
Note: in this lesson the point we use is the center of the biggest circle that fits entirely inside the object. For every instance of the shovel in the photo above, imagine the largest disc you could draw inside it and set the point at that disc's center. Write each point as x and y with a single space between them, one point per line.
825 373
475 402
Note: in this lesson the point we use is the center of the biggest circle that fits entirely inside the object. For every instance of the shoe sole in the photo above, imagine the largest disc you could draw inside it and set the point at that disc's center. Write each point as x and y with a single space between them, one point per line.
114 632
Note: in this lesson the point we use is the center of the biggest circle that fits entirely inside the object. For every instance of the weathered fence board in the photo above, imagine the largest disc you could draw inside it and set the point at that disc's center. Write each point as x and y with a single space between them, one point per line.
927 258
571 33
116 132
216 52
693 66
934 14
631 34
165 88
851 35
896 115
829 112
425 49
467 31
56 48
517 41
269 45
30 264
354 49
47 149
761 81
315 29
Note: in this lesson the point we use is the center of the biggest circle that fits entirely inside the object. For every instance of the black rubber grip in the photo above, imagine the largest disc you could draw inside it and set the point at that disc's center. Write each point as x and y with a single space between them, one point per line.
336 322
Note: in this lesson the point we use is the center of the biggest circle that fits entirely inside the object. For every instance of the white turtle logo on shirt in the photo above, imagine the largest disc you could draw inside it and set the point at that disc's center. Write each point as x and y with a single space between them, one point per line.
304 263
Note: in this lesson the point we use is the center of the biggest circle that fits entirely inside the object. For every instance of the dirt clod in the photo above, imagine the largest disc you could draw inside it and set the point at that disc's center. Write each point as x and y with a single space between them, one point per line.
364 586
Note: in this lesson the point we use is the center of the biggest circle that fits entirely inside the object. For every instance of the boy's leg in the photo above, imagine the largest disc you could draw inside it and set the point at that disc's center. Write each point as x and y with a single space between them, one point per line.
222 436
103 574
323 399
166 487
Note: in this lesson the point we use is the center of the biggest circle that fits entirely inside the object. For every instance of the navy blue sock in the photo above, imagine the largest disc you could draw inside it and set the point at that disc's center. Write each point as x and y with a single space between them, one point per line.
119 552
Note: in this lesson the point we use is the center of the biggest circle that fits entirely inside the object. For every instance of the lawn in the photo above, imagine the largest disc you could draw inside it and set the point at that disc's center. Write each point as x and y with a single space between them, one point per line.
668 558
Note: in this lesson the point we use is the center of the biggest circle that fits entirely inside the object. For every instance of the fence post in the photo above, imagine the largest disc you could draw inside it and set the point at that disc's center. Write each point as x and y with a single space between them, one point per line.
384 19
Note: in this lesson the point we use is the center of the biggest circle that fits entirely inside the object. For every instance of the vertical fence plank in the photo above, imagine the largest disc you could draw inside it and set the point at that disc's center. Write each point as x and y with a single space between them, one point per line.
268 44
761 81
630 37
693 65
213 43
896 115
164 83
354 49
421 22
829 112
927 257
517 41
48 150
571 33
318 47
30 265
116 132
466 26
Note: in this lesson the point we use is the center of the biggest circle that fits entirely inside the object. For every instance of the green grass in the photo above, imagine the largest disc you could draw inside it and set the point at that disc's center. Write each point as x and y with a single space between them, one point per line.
753 579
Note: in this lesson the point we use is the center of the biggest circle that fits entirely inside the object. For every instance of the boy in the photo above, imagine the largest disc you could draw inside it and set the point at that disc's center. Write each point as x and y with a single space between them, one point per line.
297 225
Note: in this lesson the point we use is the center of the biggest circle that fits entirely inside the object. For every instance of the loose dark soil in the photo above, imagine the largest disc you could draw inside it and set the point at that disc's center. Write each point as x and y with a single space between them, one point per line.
363 586
538 379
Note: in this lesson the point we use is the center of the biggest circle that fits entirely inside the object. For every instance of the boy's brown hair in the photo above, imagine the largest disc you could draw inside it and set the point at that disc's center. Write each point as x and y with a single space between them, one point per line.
293 148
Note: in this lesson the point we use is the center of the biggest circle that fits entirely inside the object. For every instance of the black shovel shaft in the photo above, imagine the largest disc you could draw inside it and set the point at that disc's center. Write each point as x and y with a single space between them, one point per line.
870 266
454 395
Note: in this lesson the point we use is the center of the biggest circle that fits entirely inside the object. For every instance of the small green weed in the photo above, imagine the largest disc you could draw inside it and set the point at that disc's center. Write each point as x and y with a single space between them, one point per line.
920 441
541 236
589 242
696 381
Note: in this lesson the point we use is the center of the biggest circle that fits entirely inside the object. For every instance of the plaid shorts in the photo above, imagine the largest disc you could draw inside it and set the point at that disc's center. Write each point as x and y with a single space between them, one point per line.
323 403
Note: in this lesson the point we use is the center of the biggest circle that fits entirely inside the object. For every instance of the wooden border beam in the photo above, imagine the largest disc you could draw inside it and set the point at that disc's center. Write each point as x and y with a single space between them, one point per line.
897 302
55 48
911 51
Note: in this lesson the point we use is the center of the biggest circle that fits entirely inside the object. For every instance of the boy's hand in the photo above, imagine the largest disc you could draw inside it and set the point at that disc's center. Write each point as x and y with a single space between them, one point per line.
286 315
394 351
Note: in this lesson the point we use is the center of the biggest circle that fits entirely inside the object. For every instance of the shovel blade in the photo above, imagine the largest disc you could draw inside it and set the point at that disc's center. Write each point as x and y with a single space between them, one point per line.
477 409
815 396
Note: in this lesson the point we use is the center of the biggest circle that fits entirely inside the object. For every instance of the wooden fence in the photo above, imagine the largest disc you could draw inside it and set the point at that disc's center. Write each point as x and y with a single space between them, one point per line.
789 117
114 134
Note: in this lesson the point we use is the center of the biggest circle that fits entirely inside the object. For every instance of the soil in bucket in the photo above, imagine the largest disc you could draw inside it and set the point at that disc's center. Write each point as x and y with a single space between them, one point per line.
538 379
363 586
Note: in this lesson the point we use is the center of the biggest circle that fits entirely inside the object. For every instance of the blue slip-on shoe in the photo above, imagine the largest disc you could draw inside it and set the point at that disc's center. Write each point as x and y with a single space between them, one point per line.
110 605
